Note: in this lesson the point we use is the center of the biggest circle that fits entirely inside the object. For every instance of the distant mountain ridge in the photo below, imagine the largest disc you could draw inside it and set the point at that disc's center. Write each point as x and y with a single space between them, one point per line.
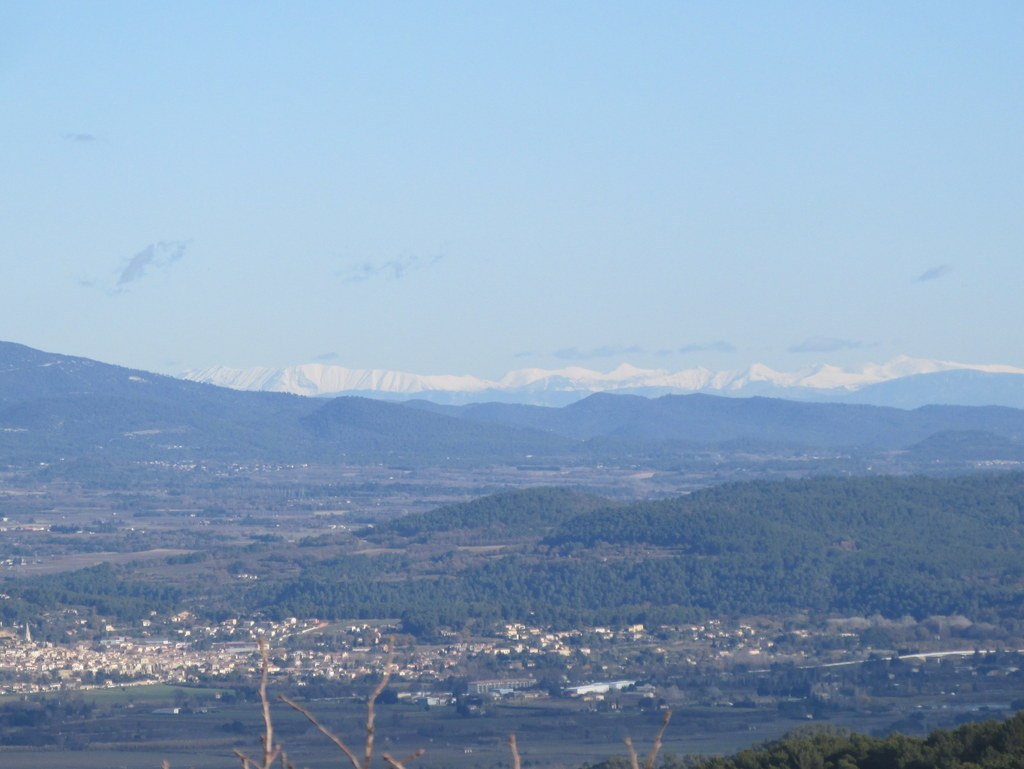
77 412
920 382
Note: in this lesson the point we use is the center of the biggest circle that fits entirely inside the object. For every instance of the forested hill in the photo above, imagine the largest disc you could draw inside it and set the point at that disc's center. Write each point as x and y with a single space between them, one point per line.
831 546
984 745
509 513
892 546
879 514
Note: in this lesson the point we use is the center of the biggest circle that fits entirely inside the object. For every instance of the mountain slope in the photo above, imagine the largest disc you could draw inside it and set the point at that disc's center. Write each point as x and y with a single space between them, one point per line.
358 427
829 546
961 388
714 420
54 407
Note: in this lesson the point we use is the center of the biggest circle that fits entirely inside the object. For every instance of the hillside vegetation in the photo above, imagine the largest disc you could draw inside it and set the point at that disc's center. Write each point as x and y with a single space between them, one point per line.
510 513
984 745
893 546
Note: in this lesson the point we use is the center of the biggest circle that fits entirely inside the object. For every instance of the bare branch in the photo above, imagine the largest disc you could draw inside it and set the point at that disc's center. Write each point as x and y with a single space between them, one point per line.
656 747
394 763
414 755
514 748
633 761
270 751
273 752
323 730
370 704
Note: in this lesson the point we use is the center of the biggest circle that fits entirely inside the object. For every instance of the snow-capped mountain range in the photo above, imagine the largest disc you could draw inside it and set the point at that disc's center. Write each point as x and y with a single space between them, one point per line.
561 386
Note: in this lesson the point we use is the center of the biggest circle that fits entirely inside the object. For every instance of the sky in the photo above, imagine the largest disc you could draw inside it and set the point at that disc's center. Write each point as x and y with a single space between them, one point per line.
474 187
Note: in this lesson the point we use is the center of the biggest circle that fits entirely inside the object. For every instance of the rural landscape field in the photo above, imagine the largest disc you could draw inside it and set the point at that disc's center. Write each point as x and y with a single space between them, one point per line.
750 585
511 385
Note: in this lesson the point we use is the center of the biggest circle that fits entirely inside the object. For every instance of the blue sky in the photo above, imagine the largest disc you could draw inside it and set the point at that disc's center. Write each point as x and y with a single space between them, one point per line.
473 187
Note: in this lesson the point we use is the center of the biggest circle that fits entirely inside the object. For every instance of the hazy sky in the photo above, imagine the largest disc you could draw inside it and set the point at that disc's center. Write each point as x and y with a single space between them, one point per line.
472 187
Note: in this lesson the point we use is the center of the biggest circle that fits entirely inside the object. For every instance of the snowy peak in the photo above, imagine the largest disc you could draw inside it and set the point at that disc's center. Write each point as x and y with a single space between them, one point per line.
534 385
321 379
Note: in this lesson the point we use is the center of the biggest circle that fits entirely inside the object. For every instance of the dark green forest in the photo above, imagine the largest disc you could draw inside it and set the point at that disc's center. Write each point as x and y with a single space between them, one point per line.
982 745
892 546
507 513
101 589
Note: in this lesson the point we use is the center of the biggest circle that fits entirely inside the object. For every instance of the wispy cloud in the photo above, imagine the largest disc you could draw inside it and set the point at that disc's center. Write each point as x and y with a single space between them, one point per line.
79 137
392 269
719 346
156 255
605 351
825 344
933 273
324 357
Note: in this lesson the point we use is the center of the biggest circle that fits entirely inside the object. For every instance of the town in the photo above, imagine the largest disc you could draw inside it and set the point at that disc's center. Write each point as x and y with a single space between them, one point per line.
518 661
180 649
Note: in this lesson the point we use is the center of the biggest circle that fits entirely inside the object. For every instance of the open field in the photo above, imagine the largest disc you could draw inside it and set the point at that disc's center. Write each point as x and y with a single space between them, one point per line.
124 731
60 563
227 547
155 695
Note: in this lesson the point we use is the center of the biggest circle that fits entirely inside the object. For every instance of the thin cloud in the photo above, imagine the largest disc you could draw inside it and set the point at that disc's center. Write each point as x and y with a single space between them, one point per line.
825 344
327 356
605 351
934 273
719 346
154 256
79 137
392 269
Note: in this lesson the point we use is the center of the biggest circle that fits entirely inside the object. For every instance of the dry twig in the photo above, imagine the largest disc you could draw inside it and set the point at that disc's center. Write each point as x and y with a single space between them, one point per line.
371 703
394 763
323 730
371 716
274 752
512 746
633 761
652 757
656 746
270 750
